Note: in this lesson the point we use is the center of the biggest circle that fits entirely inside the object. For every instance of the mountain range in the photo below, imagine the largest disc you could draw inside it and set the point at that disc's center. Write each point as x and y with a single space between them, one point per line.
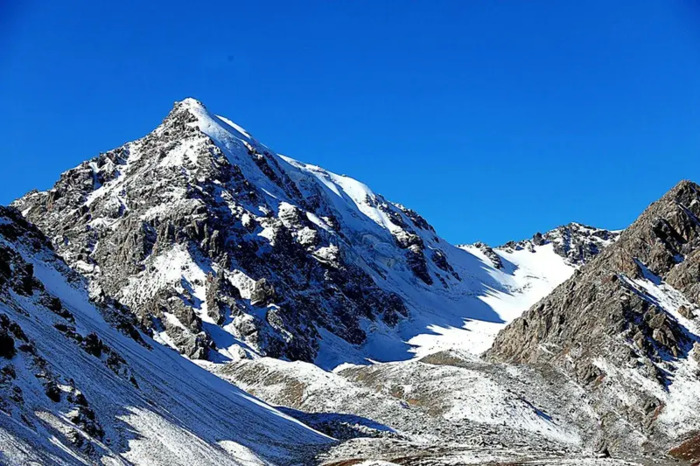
193 297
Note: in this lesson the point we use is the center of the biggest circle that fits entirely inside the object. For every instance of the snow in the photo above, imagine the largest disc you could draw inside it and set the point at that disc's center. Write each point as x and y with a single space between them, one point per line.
491 298
176 268
487 402
466 317
234 126
180 414
182 155
115 185
235 144
681 396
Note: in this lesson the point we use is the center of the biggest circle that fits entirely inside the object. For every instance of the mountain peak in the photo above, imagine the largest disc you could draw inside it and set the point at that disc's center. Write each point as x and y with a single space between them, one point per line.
197 227
190 102
685 184
191 113
190 106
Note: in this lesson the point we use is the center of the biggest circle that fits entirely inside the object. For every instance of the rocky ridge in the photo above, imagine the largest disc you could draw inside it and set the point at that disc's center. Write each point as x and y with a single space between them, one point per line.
626 327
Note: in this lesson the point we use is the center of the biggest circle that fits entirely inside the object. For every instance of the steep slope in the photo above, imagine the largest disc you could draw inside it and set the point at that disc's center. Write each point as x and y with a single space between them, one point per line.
627 327
225 250
75 390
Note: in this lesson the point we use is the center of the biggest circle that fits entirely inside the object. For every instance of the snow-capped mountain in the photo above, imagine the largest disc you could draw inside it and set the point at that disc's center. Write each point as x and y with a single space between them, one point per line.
224 249
348 311
76 390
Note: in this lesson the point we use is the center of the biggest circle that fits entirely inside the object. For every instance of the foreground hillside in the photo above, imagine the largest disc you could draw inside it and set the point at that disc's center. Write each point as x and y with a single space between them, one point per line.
75 390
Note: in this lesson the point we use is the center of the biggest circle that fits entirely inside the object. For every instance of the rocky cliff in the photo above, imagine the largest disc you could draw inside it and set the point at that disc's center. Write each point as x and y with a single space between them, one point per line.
627 326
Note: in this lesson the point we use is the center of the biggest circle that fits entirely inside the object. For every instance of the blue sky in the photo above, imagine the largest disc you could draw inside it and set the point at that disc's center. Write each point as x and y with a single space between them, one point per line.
492 119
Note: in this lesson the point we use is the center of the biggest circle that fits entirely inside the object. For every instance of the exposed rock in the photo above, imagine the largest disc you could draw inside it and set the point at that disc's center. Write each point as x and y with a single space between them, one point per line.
262 293
490 253
576 242
7 345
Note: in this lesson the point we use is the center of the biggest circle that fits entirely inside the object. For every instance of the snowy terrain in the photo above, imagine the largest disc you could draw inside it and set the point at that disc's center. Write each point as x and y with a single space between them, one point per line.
349 314
70 399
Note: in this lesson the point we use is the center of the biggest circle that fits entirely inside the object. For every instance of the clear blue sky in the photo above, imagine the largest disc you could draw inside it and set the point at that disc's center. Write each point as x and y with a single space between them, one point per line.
493 119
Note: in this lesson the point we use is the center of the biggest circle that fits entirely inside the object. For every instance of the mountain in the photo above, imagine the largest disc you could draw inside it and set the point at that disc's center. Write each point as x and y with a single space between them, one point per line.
347 311
80 385
626 326
602 370
225 250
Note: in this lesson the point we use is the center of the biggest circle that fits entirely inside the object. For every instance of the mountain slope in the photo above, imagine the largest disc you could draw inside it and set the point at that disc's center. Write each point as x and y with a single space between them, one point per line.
225 250
627 327
75 390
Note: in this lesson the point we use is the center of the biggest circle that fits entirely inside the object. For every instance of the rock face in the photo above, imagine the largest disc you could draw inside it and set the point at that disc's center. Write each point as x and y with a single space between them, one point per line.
626 327
80 385
218 245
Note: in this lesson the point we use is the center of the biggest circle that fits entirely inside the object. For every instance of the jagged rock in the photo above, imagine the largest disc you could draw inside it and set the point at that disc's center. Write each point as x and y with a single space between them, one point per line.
221 298
262 293
195 346
685 312
538 239
7 345
491 254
